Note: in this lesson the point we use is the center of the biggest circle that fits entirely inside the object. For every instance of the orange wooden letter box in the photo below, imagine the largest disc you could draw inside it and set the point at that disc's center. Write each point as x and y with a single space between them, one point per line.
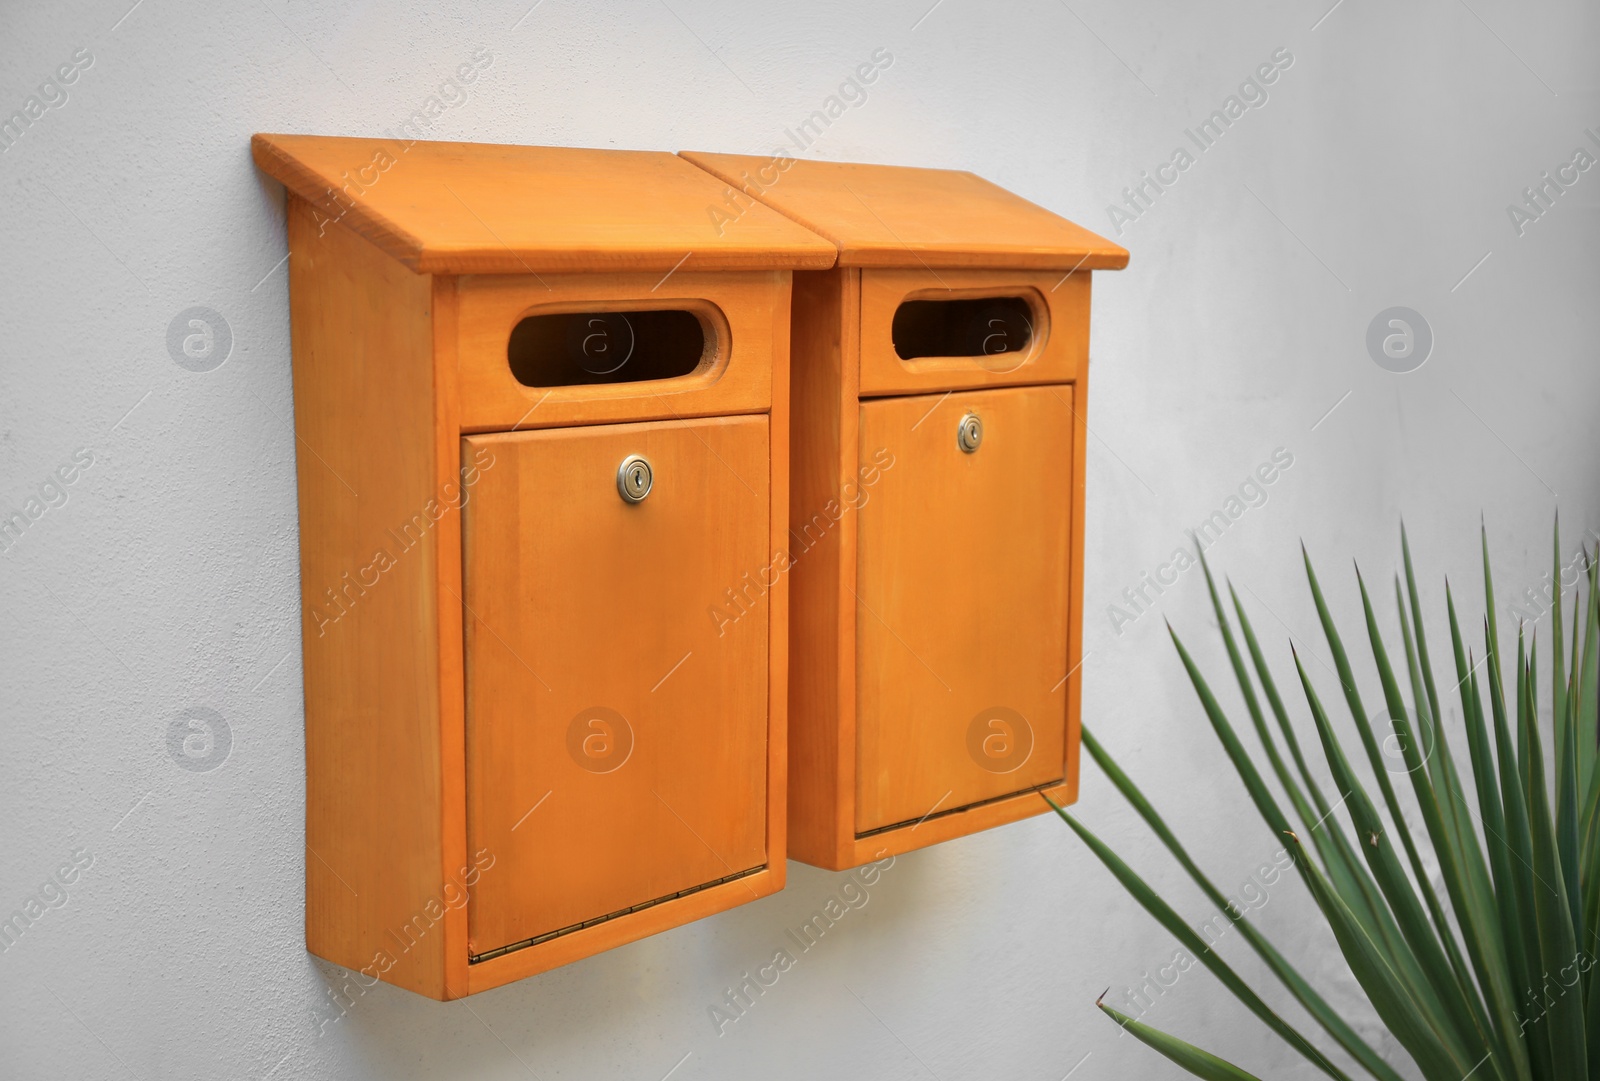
541 413
939 379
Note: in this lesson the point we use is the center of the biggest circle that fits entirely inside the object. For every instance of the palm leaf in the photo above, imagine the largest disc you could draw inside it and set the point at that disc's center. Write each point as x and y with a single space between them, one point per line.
1417 1032
1557 940
1200 1063
1465 1009
1519 844
1504 982
1461 861
1415 982
1168 917
1380 772
1502 895
1302 991
1347 873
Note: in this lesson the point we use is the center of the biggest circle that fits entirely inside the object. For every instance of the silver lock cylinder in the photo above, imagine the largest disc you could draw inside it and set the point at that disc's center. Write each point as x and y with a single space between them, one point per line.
634 478
969 435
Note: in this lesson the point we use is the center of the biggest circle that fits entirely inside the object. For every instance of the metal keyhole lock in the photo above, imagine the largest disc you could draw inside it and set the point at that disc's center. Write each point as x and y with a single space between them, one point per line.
969 435
634 478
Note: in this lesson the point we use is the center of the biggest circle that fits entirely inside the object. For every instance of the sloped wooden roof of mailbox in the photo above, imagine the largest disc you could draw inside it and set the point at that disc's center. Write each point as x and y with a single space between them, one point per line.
477 208
898 216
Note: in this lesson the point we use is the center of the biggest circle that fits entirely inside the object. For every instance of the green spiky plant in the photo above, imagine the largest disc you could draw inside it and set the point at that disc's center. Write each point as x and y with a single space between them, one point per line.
1502 984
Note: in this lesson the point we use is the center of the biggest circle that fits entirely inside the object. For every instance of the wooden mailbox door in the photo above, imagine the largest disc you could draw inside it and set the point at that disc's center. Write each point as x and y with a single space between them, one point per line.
961 620
616 727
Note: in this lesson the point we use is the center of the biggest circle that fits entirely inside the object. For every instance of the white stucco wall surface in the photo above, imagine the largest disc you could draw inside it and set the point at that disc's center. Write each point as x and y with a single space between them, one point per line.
1381 168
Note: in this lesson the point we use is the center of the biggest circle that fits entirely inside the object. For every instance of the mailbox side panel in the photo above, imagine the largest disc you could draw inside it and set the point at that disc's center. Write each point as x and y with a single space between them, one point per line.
376 526
822 669
1068 793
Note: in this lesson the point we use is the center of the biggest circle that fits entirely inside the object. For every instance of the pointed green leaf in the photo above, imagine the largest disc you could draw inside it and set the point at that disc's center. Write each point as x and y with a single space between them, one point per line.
1503 896
1381 775
1165 915
1519 846
1348 874
1252 705
1457 992
1588 735
1421 967
1271 813
1302 991
1558 678
1557 938
1488 597
1422 638
1460 861
1202 1064
1435 1055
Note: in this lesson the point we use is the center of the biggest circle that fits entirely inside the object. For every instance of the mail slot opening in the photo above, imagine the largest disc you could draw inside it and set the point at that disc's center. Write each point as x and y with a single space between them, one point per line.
984 327
580 348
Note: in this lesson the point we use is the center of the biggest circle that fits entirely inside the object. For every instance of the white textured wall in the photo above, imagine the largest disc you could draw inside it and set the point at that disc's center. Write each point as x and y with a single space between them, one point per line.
1376 174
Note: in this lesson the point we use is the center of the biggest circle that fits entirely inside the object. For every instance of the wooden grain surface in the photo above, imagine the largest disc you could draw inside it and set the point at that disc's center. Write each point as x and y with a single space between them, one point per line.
586 611
822 542
746 315
448 478
609 934
477 208
826 451
1057 353
368 462
895 216
384 363
962 590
